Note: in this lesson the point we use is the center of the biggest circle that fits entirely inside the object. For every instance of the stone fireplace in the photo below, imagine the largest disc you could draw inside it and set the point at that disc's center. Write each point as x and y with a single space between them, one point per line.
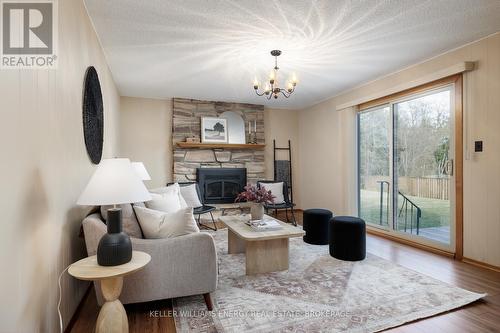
186 122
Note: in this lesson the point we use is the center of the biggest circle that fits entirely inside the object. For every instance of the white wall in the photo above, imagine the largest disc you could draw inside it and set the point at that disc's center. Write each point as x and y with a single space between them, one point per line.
146 136
44 168
328 146
320 177
327 158
283 125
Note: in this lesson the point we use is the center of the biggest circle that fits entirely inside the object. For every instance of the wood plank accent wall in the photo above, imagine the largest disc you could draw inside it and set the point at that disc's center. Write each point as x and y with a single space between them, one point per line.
186 122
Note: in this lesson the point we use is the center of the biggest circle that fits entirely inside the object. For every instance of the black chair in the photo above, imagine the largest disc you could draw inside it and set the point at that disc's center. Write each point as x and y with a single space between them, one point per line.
204 209
285 205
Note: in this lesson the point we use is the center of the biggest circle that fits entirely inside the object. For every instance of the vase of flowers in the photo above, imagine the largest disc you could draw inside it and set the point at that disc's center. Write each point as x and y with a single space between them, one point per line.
257 211
257 196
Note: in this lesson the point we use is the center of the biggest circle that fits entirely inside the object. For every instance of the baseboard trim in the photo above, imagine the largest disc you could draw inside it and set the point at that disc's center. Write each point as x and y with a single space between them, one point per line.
76 314
410 243
481 264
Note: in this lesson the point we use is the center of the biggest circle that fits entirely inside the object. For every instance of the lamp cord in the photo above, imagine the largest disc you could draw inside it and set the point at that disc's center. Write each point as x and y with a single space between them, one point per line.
59 302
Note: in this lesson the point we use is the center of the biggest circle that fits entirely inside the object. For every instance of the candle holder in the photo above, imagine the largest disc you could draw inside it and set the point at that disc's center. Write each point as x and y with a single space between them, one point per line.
252 137
252 132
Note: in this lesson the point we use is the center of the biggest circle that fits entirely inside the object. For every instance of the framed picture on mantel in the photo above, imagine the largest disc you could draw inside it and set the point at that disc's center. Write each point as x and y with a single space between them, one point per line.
213 130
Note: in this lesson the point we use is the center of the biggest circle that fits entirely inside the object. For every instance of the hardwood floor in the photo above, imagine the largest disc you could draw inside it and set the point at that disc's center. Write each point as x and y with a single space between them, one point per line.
481 316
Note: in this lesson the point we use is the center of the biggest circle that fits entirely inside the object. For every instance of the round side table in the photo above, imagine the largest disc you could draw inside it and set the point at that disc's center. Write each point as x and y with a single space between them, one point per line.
112 317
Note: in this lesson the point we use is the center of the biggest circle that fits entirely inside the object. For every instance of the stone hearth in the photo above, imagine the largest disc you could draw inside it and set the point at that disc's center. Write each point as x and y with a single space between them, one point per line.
187 115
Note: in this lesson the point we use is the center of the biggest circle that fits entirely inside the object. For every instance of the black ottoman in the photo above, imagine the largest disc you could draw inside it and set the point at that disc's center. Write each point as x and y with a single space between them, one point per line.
348 238
316 223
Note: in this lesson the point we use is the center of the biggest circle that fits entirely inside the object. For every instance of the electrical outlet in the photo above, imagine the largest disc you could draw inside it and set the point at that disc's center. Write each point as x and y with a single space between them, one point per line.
478 146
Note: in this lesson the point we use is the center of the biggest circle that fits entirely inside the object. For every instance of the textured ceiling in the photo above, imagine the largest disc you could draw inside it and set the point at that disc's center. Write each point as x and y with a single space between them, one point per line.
213 49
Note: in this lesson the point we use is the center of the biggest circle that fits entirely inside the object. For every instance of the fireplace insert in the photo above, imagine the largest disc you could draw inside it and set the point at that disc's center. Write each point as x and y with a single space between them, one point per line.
221 185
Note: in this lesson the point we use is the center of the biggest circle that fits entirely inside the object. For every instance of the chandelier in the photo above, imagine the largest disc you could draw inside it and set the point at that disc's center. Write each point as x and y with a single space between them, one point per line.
272 89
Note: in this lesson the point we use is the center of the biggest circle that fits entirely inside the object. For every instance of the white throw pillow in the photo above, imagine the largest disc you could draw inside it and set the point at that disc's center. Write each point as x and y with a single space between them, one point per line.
164 203
276 190
190 195
182 201
156 224
171 190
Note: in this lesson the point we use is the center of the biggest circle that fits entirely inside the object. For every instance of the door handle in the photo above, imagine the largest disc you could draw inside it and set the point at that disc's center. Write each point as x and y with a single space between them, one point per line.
449 167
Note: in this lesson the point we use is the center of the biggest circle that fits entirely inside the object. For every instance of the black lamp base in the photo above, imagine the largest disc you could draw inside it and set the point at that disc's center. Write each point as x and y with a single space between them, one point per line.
115 247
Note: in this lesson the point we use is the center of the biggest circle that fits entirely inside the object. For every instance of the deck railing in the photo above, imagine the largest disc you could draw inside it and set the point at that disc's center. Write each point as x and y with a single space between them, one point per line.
411 214
383 184
409 211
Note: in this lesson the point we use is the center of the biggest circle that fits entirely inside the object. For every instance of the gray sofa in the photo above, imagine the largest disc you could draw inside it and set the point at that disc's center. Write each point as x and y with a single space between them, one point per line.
180 266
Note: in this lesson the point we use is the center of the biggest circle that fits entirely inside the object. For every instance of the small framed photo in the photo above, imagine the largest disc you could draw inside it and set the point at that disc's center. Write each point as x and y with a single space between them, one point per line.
213 130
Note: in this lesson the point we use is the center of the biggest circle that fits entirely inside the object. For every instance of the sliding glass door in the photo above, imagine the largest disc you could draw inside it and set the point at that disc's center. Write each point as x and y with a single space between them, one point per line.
375 131
405 166
423 165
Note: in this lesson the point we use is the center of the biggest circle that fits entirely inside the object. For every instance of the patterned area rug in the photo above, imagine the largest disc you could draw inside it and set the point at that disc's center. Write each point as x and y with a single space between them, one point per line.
317 294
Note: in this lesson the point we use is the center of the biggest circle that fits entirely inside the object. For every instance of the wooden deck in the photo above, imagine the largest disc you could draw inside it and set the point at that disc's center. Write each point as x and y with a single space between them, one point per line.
439 234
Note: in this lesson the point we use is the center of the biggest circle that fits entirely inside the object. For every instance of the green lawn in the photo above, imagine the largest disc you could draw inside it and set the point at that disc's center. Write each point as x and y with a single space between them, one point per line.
435 212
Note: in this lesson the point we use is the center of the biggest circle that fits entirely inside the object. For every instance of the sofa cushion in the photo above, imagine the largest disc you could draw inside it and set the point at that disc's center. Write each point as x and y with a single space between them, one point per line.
158 224
172 194
139 204
190 195
163 203
130 224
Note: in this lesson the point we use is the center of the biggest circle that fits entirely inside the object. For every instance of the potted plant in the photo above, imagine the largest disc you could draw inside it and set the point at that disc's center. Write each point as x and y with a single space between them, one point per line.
257 196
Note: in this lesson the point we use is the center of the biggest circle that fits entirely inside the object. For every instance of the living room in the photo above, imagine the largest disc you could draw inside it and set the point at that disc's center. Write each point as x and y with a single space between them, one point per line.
320 166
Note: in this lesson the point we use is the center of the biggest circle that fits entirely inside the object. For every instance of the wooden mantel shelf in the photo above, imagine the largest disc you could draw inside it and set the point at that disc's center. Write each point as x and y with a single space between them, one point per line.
220 145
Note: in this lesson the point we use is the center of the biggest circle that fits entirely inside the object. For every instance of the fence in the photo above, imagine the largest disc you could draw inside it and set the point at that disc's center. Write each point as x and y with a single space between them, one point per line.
424 187
428 187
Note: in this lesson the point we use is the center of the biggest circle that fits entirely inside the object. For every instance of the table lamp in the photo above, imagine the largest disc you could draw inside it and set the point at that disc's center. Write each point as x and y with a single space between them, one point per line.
141 171
114 182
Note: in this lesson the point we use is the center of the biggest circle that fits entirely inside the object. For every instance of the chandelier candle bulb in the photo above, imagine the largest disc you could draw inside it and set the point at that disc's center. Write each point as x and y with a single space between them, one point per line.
271 88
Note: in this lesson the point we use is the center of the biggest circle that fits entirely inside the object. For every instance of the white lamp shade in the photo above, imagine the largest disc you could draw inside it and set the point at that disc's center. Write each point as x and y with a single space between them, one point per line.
141 171
114 182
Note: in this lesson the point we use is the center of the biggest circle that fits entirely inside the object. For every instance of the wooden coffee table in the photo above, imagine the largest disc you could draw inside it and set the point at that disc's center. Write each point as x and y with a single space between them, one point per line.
266 251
